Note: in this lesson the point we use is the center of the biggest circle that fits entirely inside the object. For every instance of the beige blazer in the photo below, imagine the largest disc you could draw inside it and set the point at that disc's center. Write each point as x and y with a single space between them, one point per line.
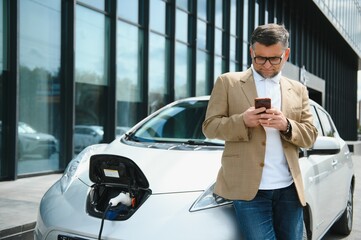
244 152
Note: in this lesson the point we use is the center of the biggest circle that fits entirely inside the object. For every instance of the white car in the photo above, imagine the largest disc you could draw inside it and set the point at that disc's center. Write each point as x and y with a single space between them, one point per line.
156 182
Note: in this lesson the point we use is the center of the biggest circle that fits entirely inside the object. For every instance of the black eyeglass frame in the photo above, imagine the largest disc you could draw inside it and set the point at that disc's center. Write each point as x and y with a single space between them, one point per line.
269 59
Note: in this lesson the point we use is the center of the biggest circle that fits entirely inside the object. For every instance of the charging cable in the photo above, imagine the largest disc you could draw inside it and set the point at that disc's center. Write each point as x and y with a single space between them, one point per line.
123 198
102 224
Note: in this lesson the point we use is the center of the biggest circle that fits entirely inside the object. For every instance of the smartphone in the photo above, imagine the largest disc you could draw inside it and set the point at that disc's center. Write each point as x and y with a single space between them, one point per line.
262 102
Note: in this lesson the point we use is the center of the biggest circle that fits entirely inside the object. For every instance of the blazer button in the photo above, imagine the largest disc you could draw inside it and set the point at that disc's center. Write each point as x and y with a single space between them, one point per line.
261 164
264 143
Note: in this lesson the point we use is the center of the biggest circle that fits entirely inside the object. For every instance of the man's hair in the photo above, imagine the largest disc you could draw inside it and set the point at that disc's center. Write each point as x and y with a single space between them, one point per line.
270 34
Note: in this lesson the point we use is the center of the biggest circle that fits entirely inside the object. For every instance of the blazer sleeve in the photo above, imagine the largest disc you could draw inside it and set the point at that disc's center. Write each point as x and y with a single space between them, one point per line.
304 133
219 122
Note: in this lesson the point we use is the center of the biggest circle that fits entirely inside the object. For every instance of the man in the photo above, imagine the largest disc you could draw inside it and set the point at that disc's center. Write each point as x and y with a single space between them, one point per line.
260 170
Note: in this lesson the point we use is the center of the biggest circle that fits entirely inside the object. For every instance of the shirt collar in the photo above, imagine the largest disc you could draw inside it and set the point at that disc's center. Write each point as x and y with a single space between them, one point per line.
257 77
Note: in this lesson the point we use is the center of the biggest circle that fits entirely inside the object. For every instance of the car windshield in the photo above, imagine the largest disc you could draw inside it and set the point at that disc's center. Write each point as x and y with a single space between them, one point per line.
180 123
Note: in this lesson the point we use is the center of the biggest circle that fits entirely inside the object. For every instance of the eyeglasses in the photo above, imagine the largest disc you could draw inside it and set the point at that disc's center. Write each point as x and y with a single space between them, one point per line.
272 60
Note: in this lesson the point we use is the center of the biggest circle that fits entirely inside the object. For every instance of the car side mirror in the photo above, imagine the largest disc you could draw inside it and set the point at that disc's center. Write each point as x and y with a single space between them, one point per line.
323 146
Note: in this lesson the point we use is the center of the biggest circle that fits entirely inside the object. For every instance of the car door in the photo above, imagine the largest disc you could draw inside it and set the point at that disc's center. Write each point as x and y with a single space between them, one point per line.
324 179
339 182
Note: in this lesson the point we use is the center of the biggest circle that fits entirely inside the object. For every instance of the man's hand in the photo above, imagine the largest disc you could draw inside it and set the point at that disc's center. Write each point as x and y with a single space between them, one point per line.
273 118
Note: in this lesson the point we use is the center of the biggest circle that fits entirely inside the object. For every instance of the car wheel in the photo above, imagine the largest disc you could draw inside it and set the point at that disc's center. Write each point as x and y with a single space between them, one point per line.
344 224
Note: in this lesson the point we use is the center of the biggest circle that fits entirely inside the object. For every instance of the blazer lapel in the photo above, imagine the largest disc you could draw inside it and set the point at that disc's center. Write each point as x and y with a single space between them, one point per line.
249 87
286 96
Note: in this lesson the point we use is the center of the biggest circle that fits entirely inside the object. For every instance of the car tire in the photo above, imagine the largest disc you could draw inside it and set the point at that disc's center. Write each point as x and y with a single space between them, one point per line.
344 223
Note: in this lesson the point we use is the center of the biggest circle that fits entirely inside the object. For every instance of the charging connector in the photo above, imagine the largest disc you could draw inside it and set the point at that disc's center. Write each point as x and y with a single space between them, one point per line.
123 198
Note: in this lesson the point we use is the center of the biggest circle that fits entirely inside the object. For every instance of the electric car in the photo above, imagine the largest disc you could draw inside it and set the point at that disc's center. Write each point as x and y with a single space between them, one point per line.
156 182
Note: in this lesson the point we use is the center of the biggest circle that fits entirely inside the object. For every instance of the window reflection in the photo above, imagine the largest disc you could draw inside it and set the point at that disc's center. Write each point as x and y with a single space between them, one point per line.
181 87
182 26
233 17
326 125
128 9
39 57
157 81
202 9
94 3
157 16
129 87
90 75
218 41
182 4
217 67
201 34
219 14
202 63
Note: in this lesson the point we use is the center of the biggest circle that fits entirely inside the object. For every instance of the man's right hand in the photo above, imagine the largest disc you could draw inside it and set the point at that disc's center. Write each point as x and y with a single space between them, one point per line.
252 115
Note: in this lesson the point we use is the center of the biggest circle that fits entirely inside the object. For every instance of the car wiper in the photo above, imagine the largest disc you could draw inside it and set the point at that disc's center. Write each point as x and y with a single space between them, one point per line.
130 137
203 143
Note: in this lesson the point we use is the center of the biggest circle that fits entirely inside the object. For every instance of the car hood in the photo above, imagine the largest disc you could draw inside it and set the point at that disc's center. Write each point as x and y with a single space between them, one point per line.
167 170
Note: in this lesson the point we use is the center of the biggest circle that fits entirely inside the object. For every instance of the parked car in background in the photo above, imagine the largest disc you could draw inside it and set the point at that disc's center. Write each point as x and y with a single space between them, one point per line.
156 182
35 144
86 135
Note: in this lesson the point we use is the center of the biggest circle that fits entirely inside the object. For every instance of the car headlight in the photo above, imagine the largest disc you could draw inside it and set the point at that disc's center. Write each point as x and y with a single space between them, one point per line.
209 200
77 165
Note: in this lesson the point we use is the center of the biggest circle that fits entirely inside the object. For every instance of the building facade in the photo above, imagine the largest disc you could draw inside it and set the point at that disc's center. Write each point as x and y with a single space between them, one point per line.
79 72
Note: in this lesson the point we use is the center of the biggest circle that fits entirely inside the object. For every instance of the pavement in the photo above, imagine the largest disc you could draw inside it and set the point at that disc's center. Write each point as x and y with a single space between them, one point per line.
19 203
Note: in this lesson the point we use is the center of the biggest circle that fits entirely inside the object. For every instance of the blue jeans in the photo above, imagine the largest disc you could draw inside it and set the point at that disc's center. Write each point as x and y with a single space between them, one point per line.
272 214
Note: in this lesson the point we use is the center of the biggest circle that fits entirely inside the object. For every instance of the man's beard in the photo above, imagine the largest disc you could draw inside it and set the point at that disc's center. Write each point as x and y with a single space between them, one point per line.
271 76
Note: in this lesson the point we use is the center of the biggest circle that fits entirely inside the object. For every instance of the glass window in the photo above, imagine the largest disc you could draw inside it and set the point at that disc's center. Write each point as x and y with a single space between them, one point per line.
256 14
316 121
128 10
326 125
245 36
94 3
218 21
233 20
202 9
180 123
157 81
90 74
232 48
202 63
218 41
201 34
157 16
90 29
181 88
182 4
39 59
129 86
232 66
217 67
181 26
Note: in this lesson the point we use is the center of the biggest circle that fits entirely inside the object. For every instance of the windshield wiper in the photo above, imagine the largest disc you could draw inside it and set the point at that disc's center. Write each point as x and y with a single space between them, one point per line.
203 143
130 137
